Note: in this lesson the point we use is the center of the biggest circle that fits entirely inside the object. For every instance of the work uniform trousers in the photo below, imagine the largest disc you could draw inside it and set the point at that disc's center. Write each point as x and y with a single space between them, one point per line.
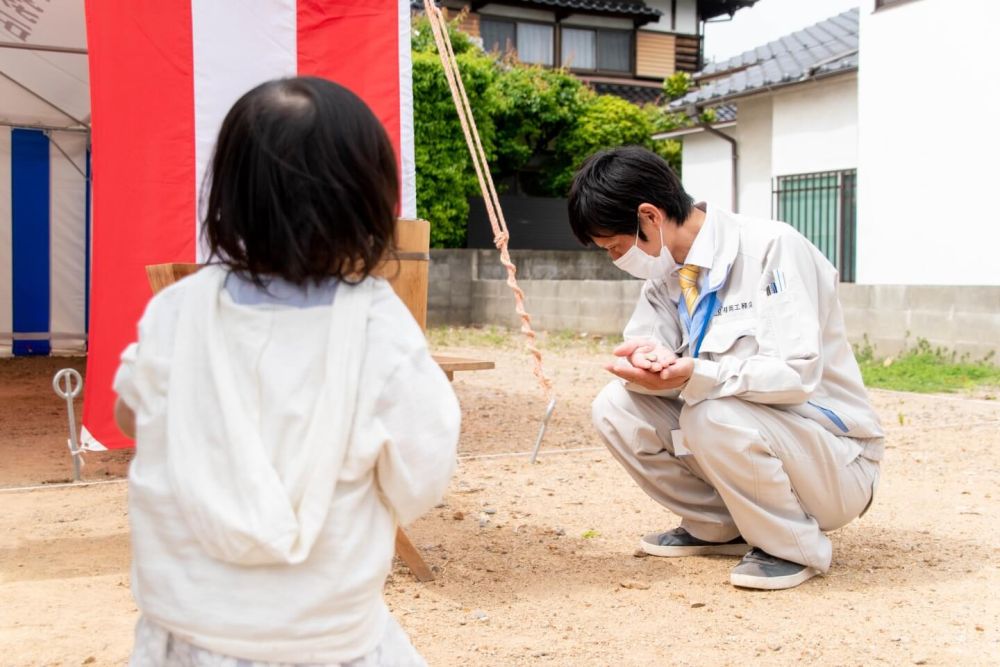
740 468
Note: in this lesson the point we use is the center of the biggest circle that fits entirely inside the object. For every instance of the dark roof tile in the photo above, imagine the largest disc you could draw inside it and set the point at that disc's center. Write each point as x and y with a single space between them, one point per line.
725 113
812 50
630 7
632 93
636 8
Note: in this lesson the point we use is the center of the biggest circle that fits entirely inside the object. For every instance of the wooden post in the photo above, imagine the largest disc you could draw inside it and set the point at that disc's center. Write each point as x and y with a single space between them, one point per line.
409 270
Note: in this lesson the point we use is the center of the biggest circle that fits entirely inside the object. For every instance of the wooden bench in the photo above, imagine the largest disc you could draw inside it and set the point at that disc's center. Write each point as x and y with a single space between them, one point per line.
451 365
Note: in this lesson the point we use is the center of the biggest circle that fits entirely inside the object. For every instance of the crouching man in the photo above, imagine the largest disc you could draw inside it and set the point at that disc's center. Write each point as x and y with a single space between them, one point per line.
740 406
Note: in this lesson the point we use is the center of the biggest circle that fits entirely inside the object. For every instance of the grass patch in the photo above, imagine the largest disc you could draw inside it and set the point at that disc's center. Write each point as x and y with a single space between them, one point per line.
501 338
491 337
920 368
926 370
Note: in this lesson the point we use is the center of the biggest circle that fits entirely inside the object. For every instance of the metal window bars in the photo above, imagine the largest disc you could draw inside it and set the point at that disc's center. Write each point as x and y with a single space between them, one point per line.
823 207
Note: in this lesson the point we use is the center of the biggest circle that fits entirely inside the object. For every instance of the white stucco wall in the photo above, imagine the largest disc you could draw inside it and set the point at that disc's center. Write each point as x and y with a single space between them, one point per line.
705 168
754 122
517 13
804 129
929 157
706 161
687 17
815 127
591 21
664 23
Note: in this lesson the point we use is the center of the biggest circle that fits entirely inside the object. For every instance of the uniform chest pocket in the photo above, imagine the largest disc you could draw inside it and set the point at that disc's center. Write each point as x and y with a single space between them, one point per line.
793 327
736 337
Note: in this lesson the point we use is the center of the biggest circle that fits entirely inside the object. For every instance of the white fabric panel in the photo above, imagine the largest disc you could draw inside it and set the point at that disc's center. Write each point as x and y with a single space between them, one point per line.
408 207
6 258
238 44
61 78
68 242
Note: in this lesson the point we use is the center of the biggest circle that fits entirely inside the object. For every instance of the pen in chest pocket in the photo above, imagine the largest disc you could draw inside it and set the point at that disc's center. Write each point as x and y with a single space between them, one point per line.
777 283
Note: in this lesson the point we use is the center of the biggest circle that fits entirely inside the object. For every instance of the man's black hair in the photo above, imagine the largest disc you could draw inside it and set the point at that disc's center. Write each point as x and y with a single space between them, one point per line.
303 184
607 191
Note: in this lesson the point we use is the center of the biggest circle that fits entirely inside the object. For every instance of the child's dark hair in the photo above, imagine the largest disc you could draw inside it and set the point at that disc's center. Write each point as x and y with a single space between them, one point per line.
303 184
607 191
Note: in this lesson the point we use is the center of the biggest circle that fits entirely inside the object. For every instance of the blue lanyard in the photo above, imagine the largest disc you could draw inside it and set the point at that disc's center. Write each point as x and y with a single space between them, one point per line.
697 325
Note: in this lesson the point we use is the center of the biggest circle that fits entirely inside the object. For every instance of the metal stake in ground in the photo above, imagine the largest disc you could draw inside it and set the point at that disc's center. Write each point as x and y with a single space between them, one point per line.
67 384
541 431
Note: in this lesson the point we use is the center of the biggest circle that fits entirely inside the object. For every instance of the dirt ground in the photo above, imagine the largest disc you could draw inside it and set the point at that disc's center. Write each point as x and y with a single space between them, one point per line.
535 564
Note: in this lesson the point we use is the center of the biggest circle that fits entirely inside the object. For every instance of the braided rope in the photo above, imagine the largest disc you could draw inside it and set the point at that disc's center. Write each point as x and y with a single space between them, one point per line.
501 235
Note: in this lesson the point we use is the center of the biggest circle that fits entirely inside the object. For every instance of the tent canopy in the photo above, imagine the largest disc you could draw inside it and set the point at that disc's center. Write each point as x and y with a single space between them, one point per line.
44 162
44 78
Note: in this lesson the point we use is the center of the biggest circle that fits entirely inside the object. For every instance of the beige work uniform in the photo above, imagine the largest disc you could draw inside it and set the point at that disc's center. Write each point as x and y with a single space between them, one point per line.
773 437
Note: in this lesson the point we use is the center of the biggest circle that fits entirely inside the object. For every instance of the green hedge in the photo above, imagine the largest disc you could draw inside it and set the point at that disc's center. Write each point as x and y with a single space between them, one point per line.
537 126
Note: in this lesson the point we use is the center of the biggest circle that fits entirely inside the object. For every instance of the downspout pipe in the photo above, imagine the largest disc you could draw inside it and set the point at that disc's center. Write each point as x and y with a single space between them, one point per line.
695 112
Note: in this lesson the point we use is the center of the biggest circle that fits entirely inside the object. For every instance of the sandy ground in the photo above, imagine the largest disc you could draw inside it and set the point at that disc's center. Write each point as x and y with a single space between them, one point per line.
536 564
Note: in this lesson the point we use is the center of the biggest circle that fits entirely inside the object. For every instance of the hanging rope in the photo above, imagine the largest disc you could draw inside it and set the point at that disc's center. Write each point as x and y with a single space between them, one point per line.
501 236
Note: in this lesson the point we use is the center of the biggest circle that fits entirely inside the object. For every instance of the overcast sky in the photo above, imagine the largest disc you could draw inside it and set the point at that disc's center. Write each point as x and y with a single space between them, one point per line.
766 21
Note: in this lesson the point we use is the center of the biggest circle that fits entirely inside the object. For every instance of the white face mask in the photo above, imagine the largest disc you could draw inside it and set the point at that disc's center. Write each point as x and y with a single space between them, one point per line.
638 263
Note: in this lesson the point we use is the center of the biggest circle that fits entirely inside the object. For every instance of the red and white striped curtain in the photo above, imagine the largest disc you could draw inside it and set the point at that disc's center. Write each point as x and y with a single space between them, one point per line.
163 75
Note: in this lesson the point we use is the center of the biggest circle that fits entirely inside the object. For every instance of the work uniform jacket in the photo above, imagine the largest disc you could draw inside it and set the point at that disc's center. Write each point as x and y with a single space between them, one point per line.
771 327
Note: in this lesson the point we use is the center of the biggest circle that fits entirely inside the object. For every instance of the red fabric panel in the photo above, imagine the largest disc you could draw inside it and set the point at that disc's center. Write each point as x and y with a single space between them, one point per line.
356 44
142 101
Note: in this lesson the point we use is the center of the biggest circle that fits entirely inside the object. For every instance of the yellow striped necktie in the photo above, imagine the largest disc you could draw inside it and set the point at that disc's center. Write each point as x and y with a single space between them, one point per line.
689 285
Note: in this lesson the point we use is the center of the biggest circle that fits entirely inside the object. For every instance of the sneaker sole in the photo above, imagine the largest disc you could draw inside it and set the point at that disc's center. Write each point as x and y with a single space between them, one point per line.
772 583
703 550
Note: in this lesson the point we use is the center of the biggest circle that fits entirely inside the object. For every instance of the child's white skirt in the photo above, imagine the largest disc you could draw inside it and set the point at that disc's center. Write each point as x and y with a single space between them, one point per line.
157 647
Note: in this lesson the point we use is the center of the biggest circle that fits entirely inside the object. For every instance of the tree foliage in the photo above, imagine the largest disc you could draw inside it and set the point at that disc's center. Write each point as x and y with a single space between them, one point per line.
537 126
445 175
676 85
606 121
536 108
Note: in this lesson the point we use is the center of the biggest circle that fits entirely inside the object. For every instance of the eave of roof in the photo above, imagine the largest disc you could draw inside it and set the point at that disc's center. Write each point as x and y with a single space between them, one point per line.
710 9
827 48
637 10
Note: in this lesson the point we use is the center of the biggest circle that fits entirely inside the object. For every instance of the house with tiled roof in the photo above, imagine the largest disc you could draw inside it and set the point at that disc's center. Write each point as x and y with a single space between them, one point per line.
784 142
620 47
839 130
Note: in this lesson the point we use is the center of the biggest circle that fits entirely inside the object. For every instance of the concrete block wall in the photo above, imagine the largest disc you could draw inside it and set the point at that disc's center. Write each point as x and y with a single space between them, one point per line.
963 319
549 265
591 306
449 289
582 291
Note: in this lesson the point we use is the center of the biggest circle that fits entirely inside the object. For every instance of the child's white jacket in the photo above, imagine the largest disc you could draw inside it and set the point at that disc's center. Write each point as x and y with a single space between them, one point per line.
276 450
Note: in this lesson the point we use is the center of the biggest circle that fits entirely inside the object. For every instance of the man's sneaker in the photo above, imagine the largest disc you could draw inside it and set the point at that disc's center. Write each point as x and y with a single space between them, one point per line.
761 570
678 542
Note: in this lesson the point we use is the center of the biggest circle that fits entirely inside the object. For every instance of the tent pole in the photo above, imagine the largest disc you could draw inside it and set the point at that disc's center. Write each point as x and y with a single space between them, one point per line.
68 158
38 126
51 104
40 47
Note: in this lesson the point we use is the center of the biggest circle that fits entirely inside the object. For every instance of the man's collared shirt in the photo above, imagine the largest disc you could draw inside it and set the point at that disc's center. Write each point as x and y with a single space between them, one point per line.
701 254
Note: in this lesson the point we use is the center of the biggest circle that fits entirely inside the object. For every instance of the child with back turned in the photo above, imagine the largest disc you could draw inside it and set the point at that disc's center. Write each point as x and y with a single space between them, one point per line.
286 410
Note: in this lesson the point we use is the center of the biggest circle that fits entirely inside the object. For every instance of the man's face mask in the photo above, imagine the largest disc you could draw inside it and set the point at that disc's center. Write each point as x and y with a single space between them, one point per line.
638 263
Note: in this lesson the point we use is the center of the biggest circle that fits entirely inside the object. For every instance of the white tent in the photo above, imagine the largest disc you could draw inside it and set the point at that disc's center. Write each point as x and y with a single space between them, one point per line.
44 184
